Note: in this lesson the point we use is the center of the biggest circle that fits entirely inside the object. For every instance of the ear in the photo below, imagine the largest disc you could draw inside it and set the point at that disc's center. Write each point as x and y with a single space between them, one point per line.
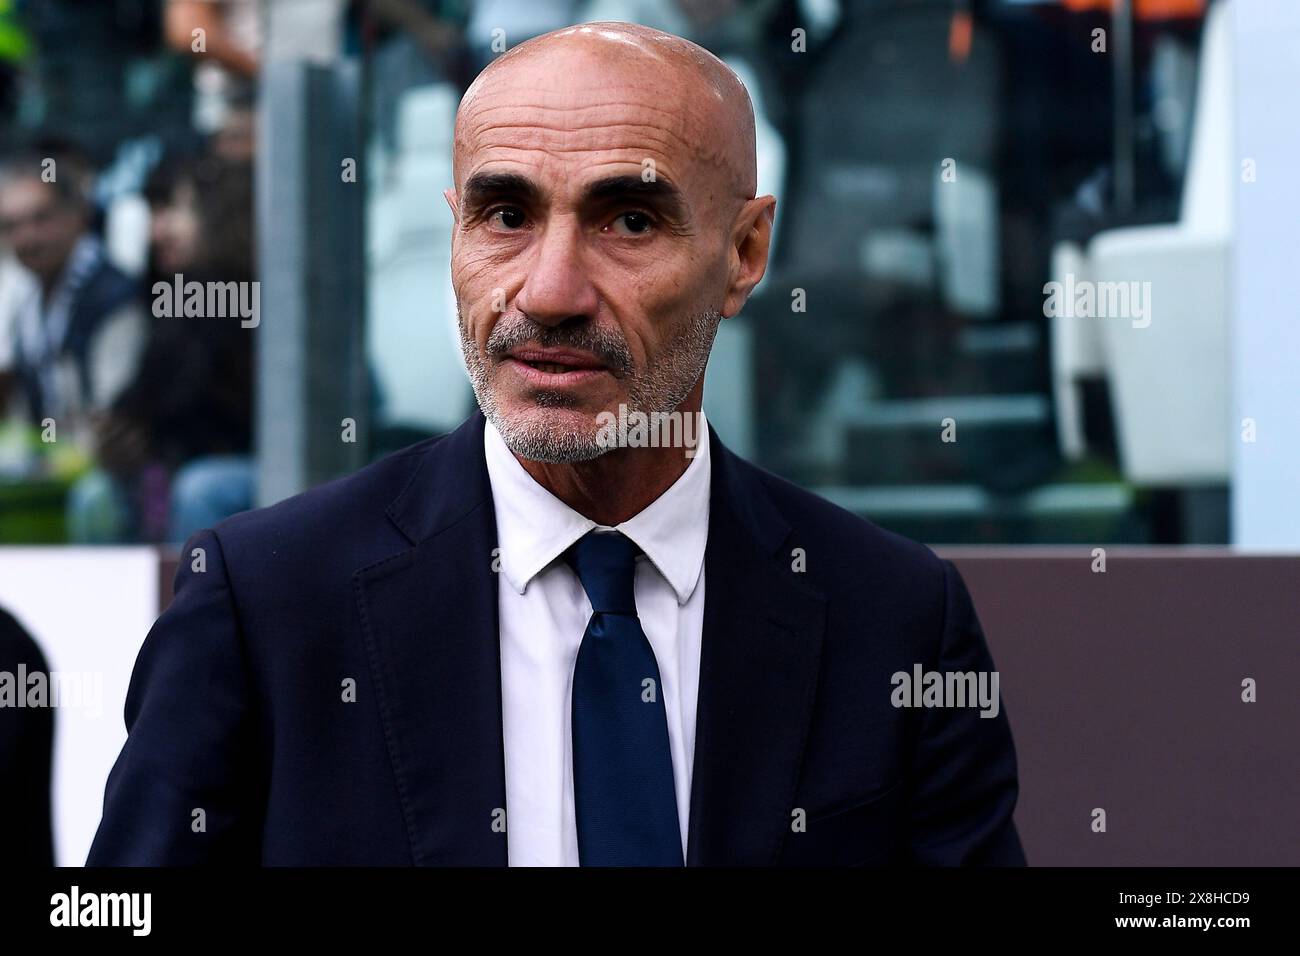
450 196
750 240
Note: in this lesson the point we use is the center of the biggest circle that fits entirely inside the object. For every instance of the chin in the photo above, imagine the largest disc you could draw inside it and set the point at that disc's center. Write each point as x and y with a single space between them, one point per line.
555 435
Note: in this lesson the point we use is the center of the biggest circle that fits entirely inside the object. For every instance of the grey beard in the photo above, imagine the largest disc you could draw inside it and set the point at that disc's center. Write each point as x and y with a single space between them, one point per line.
660 388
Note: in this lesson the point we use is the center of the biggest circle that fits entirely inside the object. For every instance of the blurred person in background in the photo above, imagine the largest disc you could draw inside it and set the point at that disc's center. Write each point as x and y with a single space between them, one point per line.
26 751
228 40
16 286
174 451
224 36
75 336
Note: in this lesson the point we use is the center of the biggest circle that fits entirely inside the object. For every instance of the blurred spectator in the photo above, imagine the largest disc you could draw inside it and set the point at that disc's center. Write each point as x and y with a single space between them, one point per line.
76 336
224 36
26 749
228 39
16 285
175 449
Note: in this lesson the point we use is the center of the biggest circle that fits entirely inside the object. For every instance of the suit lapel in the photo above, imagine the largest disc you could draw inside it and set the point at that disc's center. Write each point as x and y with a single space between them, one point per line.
758 673
429 621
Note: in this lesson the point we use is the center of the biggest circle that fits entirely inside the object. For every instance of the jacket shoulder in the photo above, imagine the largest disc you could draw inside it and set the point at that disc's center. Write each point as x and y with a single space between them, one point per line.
342 514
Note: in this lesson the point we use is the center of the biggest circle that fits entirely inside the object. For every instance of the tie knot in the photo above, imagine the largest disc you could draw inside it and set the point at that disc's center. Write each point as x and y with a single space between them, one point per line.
605 563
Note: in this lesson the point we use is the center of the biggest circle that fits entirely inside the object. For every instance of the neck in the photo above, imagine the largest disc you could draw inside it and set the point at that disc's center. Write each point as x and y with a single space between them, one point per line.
620 483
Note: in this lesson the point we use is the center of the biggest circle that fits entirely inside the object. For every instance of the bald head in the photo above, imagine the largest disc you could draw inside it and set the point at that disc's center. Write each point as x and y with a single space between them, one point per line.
606 223
698 100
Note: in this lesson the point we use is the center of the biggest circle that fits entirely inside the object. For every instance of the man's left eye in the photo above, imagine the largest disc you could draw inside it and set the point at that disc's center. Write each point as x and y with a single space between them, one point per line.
635 223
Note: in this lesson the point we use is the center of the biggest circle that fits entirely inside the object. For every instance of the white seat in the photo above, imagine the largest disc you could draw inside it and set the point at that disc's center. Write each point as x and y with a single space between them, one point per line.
1168 378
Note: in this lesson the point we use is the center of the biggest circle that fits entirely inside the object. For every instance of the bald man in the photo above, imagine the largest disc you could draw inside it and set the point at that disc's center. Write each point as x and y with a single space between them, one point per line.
577 630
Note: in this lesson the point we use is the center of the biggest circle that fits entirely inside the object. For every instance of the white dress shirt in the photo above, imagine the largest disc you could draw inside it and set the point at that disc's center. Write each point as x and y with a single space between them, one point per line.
543 615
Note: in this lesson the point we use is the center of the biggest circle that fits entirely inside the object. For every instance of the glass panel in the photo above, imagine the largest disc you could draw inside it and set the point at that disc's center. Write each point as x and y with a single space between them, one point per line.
996 308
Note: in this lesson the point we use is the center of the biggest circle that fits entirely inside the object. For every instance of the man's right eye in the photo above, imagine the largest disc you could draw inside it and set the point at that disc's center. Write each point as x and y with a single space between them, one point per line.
512 217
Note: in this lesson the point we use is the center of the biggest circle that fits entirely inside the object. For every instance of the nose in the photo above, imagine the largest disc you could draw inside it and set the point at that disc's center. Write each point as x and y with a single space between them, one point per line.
557 288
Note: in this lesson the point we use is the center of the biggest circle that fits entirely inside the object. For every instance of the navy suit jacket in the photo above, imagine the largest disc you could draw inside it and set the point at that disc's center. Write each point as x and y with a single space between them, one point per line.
244 745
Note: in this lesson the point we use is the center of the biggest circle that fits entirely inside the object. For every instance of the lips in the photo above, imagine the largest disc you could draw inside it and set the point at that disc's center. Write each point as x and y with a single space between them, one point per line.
557 361
554 368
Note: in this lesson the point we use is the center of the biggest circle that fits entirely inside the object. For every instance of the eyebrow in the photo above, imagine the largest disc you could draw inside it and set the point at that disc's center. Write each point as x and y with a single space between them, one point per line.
659 193
483 188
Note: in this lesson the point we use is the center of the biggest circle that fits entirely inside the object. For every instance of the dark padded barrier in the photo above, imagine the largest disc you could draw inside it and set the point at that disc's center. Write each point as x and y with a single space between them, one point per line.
1124 692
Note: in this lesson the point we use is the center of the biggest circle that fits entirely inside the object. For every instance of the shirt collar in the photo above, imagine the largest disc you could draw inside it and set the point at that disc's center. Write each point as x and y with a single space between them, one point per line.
534 528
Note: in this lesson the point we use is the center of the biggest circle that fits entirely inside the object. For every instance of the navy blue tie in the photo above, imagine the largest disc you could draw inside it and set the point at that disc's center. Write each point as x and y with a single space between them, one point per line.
623 792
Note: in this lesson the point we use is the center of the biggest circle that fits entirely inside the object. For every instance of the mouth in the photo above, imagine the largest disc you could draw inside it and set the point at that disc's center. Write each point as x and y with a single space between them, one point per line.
552 368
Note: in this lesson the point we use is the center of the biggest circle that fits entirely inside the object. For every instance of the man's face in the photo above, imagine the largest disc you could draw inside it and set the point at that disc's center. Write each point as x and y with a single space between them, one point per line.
590 256
39 227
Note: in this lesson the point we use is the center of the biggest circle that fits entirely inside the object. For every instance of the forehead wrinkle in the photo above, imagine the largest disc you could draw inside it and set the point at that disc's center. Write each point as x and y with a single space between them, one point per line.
664 146
572 119
663 149
713 125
